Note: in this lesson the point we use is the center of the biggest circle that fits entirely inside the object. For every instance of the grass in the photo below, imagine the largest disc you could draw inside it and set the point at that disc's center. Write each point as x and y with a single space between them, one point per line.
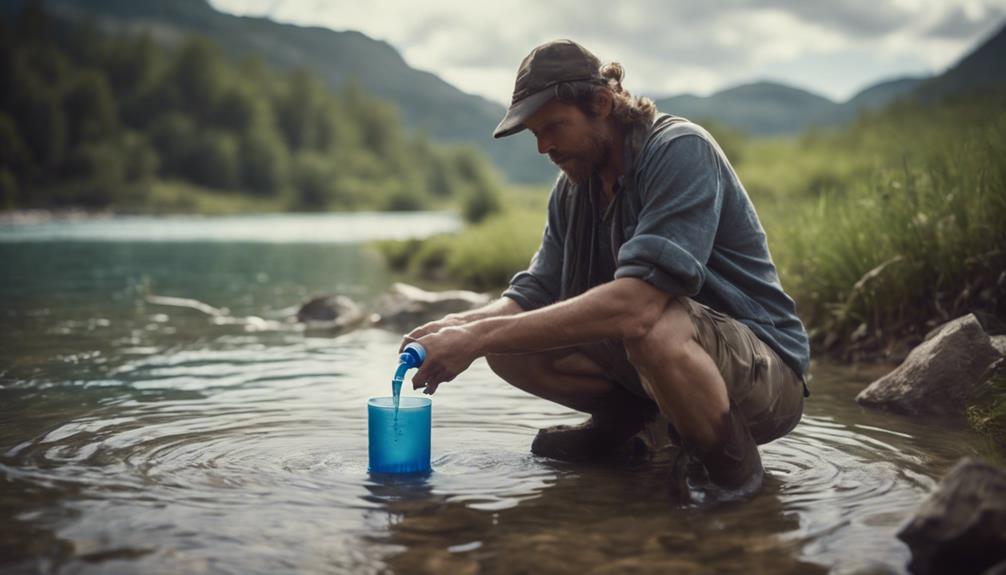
482 256
910 233
171 197
987 412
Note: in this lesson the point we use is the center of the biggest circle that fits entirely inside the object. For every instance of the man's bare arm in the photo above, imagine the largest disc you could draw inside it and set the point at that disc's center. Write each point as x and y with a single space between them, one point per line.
620 309
503 306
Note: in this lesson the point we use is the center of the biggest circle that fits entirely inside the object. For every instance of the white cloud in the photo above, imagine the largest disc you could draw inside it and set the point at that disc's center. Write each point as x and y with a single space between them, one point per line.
666 46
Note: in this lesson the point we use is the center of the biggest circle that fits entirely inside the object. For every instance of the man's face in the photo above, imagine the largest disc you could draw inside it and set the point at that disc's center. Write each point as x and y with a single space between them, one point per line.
575 142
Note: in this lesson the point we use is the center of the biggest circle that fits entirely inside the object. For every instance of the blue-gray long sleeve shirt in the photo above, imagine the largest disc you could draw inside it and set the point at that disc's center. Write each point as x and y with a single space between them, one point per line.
681 221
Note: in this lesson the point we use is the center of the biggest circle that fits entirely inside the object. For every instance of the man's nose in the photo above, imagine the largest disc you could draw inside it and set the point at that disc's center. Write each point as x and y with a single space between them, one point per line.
544 146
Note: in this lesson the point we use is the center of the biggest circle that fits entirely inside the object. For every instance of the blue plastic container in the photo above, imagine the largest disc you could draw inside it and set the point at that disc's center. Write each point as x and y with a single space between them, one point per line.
412 355
401 446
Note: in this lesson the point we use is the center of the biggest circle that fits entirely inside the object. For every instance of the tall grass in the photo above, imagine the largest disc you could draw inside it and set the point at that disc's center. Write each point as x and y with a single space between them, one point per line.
482 256
912 235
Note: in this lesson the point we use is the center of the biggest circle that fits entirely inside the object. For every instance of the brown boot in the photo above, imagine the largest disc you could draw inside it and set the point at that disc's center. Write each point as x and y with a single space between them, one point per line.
600 436
733 467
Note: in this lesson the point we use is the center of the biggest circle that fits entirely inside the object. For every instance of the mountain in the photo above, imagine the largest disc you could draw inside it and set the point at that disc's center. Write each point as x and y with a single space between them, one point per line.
874 97
767 108
425 101
772 109
764 108
982 69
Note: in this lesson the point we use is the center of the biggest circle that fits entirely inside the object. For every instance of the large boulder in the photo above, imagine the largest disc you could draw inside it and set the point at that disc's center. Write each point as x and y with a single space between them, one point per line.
331 313
940 374
961 527
408 306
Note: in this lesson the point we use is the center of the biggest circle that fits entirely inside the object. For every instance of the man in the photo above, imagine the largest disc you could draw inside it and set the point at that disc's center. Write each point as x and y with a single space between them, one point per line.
653 288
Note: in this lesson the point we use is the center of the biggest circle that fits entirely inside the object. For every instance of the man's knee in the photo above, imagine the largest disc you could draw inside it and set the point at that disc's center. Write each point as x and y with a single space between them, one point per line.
671 339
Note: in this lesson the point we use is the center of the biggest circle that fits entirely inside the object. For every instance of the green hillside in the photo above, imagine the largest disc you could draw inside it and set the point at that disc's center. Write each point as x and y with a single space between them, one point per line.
96 120
426 103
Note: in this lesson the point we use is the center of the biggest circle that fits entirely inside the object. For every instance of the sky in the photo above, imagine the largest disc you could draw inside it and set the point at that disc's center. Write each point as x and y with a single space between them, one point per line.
831 47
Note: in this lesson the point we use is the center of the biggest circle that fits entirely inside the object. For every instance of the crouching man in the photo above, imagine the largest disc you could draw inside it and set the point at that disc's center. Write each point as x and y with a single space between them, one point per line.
653 288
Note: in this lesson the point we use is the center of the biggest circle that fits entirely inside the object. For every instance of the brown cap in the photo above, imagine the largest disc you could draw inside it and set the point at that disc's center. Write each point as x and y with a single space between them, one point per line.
545 67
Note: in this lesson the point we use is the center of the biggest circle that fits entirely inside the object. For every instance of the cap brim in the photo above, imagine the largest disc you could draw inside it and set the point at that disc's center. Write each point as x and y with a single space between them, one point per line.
520 111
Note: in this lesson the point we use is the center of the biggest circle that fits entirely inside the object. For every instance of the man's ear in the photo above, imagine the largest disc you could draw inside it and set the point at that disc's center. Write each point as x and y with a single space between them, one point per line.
602 103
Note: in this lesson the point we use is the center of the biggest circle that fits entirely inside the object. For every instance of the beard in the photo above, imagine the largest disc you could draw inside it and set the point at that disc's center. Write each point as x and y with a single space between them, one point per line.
581 164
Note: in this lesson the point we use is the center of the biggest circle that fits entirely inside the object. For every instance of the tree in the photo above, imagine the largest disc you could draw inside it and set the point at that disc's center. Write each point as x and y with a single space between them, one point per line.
240 109
96 173
90 108
173 135
264 160
136 68
214 161
481 197
13 153
199 74
8 190
300 111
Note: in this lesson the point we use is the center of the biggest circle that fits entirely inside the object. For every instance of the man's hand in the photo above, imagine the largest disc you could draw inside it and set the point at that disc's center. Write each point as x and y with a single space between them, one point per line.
449 351
449 320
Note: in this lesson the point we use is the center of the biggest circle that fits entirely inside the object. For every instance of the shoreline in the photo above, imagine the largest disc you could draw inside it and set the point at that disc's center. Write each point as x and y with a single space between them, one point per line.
40 215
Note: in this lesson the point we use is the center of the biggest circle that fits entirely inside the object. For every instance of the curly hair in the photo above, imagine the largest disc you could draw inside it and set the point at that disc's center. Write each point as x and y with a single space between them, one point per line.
628 109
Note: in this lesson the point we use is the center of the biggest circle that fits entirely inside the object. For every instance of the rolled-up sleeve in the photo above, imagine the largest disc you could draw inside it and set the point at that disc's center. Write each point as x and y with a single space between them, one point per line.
681 191
539 285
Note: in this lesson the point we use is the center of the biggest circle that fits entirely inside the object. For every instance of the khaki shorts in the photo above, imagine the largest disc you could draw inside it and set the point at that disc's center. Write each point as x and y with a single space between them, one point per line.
766 391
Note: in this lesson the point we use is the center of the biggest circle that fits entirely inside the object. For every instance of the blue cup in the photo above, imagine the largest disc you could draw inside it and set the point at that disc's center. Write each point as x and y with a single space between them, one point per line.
401 446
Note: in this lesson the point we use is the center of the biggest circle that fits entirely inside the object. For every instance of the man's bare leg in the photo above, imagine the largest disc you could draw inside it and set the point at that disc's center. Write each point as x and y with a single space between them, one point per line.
687 386
572 379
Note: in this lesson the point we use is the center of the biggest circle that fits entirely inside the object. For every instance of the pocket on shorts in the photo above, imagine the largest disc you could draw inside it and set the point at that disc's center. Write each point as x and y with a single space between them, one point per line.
728 342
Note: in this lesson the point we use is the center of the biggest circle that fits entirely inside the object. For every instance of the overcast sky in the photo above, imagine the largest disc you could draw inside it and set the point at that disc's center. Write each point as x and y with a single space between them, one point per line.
834 48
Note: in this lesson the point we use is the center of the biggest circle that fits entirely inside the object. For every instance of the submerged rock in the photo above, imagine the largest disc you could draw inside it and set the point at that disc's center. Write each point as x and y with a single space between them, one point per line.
940 374
331 312
409 306
187 303
404 306
961 527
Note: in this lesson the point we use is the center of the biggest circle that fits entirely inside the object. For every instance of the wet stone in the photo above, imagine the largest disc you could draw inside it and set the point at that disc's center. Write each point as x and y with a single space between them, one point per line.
961 527
939 375
999 342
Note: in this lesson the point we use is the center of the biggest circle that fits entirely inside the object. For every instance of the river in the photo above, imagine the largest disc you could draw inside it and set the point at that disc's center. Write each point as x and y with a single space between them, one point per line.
139 438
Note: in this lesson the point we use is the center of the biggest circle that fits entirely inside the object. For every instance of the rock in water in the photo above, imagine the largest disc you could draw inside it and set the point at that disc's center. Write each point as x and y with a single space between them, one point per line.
408 306
999 342
331 312
961 527
940 374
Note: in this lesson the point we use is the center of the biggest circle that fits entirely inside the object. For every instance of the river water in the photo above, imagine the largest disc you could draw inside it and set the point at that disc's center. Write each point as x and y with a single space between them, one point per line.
139 438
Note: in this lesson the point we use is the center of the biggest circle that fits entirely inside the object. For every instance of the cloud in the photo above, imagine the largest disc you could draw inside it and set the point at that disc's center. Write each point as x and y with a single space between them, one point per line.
855 18
666 46
960 23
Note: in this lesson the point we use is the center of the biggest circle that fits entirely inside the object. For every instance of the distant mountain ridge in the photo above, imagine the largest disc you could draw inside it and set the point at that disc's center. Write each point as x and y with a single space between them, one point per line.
428 103
768 108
